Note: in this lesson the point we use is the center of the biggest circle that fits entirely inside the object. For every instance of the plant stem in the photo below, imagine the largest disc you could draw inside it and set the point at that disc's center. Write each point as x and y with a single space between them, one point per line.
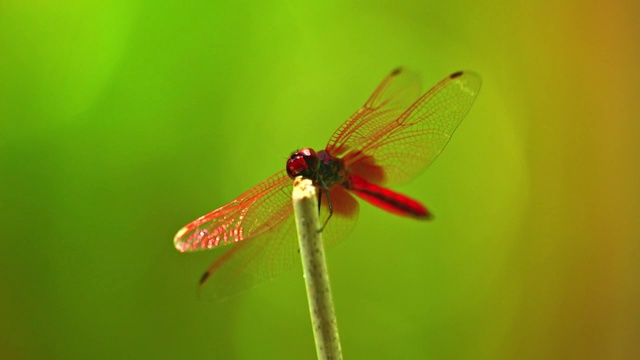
316 275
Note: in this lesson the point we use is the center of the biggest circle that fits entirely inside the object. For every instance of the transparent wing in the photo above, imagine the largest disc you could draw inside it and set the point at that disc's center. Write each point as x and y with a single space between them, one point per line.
390 99
253 213
260 222
257 259
393 150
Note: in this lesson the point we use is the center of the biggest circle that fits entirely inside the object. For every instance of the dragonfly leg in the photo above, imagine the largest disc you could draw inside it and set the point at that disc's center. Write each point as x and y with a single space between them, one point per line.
326 195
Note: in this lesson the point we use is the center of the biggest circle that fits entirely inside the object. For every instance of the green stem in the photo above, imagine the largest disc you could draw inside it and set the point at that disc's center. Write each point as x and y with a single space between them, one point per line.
316 275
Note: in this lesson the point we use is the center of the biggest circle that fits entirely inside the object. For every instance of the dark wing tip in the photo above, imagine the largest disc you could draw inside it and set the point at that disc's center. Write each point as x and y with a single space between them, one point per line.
204 277
396 71
456 74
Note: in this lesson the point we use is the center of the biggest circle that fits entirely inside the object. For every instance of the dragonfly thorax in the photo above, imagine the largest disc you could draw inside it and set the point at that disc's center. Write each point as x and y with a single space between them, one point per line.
324 169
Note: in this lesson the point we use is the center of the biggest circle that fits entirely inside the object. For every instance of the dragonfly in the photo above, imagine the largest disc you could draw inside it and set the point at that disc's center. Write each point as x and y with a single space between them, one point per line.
390 140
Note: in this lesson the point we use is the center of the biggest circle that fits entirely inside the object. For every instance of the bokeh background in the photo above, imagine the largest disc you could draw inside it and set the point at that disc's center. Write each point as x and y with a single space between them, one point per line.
120 121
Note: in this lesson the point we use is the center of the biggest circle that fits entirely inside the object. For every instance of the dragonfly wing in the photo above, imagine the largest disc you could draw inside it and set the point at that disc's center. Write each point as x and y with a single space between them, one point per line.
264 257
253 213
407 144
392 97
252 261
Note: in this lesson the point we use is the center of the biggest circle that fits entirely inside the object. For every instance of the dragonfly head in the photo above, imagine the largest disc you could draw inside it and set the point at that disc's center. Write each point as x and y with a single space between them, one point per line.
304 162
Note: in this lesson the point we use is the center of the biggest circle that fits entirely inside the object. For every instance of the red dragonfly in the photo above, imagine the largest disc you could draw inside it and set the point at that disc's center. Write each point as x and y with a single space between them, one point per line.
389 141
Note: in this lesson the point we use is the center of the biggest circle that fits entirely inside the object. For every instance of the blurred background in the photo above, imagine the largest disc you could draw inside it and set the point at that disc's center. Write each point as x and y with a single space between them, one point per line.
121 121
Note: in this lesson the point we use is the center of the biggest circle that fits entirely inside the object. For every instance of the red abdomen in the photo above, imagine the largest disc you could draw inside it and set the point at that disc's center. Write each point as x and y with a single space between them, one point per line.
386 199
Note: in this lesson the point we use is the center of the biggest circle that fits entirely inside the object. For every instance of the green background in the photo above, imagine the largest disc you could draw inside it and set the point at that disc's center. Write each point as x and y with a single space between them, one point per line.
121 121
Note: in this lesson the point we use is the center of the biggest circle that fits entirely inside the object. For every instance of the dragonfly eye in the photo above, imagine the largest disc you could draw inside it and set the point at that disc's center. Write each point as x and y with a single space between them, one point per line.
303 163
